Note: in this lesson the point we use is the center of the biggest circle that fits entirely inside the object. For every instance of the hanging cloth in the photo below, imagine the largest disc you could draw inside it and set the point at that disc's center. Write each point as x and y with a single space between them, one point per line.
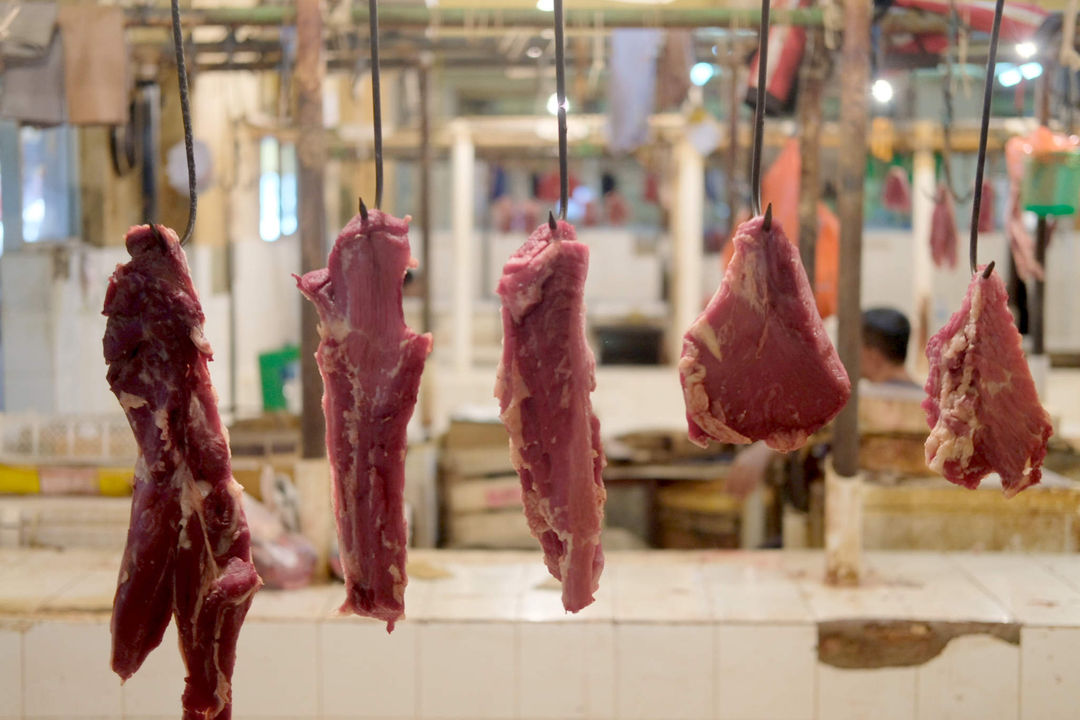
95 61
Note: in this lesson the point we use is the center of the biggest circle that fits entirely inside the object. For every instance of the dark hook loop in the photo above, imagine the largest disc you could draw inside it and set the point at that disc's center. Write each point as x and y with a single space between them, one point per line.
984 130
759 110
185 112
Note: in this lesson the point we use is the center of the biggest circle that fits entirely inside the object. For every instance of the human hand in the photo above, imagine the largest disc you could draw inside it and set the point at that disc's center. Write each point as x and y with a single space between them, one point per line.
747 471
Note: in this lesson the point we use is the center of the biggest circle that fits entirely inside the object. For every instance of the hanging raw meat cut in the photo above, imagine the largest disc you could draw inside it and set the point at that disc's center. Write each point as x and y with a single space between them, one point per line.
981 405
757 364
371 364
188 551
544 380
943 229
986 208
896 191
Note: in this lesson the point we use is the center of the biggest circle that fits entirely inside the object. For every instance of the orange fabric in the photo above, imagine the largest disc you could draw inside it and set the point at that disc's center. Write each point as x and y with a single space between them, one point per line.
780 186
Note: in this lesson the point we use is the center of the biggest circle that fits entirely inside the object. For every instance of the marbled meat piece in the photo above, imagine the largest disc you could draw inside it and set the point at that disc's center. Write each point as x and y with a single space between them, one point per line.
188 551
544 380
757 363
896 190
982 408
371 364
943 229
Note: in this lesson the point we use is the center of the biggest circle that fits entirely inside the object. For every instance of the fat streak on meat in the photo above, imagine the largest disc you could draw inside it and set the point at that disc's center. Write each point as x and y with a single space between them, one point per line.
757 363
371 364
188 552
544 380
982 407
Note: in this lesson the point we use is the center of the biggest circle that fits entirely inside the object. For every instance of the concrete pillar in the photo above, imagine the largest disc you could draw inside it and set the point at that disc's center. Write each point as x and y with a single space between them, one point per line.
686 238
11 163
923 186
462 184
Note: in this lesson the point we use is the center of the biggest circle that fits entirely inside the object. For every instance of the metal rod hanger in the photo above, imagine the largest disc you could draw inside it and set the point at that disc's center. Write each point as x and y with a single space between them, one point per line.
419 16
984 130
185 112
376 100
560 98
759 114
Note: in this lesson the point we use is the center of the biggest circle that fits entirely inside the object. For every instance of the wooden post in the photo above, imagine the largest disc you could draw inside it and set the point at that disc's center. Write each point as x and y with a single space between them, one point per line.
686 233
843 486
923 184
462 192
1037 288
811 87
732 161
311 154
426 409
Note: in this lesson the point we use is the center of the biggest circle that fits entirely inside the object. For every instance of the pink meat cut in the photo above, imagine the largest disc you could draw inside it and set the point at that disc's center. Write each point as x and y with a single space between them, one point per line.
757 364
982 408
943 229
543 386
371 364
188 552
896 191
987 207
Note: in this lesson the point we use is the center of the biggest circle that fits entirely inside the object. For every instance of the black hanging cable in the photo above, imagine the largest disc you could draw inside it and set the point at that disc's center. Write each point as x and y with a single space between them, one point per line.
759 115
560 98
185 112
376 100
984 130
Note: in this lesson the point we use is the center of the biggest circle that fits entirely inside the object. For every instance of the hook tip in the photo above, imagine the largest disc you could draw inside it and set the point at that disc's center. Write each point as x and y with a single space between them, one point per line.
987 270
551 221
363 209
767 222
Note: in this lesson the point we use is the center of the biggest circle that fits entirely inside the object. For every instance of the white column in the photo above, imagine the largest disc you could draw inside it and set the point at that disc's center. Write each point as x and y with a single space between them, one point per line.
686 237
923 187
462 171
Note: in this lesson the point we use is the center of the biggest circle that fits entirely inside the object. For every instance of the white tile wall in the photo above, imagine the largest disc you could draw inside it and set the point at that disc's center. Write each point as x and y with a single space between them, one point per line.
1049 673
468 670
367 673
664 671
765 672
883 694
74 657
975 676
157 687
11 672
277 670
566 670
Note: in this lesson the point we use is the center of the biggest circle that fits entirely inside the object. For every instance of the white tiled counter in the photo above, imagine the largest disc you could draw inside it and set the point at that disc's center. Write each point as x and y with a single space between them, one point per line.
734 636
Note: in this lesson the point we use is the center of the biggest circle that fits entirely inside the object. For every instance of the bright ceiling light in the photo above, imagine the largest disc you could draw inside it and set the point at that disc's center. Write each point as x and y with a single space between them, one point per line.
553 104
545 5
882 90
534 52
1031 70
702 73
1010 76
1026 49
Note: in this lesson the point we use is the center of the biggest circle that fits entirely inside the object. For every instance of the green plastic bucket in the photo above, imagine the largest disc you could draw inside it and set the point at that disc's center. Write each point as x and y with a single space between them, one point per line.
1052 184
275 369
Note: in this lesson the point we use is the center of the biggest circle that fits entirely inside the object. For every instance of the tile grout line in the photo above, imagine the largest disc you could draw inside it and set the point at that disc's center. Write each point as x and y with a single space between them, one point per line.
978 584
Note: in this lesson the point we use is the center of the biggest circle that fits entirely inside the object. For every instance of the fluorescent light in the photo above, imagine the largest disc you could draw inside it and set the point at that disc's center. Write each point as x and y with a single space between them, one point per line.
1010 76
1026 49
545 5
534 52
702 73
882 90
1031 70
553 104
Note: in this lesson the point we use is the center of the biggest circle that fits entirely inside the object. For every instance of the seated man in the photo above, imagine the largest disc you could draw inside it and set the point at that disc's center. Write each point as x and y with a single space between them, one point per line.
885 336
